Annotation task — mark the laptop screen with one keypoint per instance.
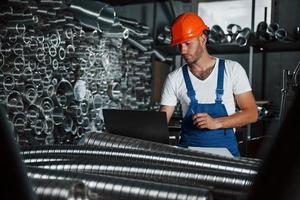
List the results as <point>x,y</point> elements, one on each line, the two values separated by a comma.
<point>145,125</point>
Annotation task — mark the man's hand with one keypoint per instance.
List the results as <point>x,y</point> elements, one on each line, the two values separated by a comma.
<point>247,114</point>
<point>203,120</point>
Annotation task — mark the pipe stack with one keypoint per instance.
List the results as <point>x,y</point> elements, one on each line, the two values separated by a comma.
<point>119,156</point>
<point>62,62</point>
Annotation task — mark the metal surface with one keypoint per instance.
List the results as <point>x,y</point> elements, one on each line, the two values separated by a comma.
<point>108,187</point>
<point>289,86</point>
<point>44,52</point>
<point>159,158</point>
<point>222,186</point>
<point>116,141</point>
<point>60,189</point>
<point>261,32</point>
<point>282,35</point>
<point>284,89</point>
<point>295,75</point>
<point>242,38</point>
<point>137,44</point>
<point>221,177</point>
<point>94,15</point>
<point>272,28</point>
<point>217,35</point>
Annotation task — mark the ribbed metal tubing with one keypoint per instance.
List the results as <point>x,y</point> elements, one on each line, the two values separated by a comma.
<point>112,140</point>
<point>141,156</point>
<point>223,186</point>
<point>141,170</point>
<point>60,189</point>
<point>108,187</point>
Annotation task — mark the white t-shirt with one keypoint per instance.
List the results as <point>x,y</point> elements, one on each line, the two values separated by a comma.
<point>235,82</point>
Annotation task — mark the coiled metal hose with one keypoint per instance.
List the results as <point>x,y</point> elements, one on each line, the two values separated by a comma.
<point>134,155</point>
<point>108,187</point>
<point>117,141</point>
<point>222,185</point>
<point>60,189</point>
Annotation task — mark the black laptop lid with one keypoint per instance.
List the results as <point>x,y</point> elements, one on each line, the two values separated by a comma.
<point>146,125</point>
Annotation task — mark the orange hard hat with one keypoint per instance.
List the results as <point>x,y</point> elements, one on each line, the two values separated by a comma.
<point>187,26</point>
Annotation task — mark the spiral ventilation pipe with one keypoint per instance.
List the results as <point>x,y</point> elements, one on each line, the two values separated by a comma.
<point>222,185</point>
<point>141,156</point>
<point>108,187</point>
<point>60,189</point>
<point>123,142</point>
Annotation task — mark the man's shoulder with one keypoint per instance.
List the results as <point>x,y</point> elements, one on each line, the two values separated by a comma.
<point>176,73</point>
<point>233,66</point>
<point>231,63</point>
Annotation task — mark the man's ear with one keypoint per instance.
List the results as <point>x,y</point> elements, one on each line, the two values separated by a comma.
<point>203,39</point>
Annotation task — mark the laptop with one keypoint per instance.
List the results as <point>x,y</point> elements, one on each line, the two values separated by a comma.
<point>145,125</point>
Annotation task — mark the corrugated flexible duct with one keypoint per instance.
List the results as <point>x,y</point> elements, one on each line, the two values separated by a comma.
<point>135,155</point>
<point>108,187</point>
<point>117,141</point>
<point>60,189</point>
<point>222,185</point>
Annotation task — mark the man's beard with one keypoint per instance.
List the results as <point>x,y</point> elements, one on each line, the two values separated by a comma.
<point>191,60</point>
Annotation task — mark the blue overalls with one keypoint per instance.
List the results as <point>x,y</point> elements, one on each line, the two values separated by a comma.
<point>194,136</point>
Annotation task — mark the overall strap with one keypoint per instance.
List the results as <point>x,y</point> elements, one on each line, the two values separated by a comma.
<point>190,90</point>
<point>220,90</point>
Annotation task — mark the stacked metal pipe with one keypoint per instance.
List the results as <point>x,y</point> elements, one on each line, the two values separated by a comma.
<point>230,186</point>
<point>221,185</point>
<point>164,37</point>
<point>237,35</point>
<point>62,62</point>
<point>110,187</point>
<point>127,157</point>
<point>272,32</point>
<point>203,162</point>
<point>60,189</point>
<point>109,140</point>
<point>216,35</point>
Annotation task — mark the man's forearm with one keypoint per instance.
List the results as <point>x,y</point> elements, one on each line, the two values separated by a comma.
<point>247,115</point>
<point>237,119</point>
<point>168,110</point>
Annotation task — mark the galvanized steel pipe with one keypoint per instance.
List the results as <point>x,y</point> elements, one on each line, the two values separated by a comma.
<point>94,14</point>
<point>108,187</point>
<point>117,141</point>
<point>203,162</point>
<point>222,185</point>
<point>60,189</point>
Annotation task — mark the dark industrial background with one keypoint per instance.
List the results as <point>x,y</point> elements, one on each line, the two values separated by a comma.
<point>269,60</point>
<point>60,70</point>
